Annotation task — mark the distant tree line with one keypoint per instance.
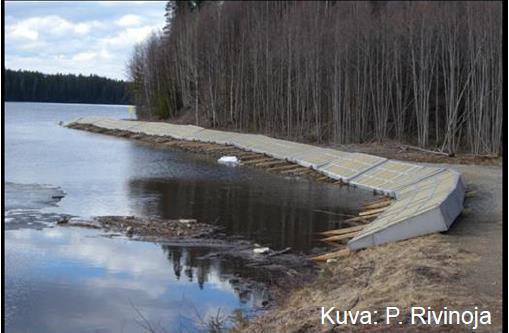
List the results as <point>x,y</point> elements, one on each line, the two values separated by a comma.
<point>28,86</point>
<point>425,73</point>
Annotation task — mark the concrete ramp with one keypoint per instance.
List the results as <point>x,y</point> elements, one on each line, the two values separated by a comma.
<point>428,199</point>
<point>350,166</point>
<point>213,136</point>
<point>427,206</point>
<point>392,176</point>
<point>316,157</point>
<point>179,132</point>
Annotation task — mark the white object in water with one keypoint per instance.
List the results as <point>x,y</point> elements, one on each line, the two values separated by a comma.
<point>261,250</point>
<point>229,160</point>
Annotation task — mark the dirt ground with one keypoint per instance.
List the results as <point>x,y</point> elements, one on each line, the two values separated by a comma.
<point>460,269</point>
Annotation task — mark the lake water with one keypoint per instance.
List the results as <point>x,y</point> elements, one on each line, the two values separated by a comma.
<point>61,279</point>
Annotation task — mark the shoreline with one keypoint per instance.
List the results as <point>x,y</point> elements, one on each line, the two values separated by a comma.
<point>460,269</point>
<point>423,269</point>
<point>276,271</point>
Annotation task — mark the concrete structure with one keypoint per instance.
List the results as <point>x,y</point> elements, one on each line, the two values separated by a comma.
<point>428,199</point>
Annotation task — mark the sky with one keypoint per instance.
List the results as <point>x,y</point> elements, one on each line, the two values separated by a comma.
<point>79,37</point>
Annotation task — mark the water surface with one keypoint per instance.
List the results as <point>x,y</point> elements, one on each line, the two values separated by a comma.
<point>67,279</point>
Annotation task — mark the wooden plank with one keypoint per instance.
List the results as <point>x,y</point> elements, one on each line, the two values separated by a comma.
<point>253,156</point>
<point>285,167</point>
<point>247,154</point>
<point>371,211</point>
<point>332,255</point>
<point>383,199</point>
<point>256,161</point>
<point>304,171</point>
<point>371,216</point>
<point>378,205</point>
<point>342,230</point>
<point>270,163</point>
<point>362,219</point>
<point>219,147</point>
<point>340,237</point>
<point>292,171</point>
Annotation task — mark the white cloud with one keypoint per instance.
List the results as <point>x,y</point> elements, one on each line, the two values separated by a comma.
<point>120,3</point>
<point>23,32</point>
<point>78,37</point>
<point>34,27</point>
<point>129,36</point>
<point>87,56</point>
<point>84,56</point>
<point>128,20</point>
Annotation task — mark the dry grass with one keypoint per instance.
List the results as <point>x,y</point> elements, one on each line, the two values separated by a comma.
<point>421,272</point>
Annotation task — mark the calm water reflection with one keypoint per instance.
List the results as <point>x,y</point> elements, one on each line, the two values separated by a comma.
<point>70,280</point>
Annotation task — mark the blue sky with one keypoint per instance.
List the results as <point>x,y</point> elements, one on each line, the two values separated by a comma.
<point>88,37</point>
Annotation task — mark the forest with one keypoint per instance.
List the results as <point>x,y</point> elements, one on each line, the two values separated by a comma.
<point>29,86</point>
<point>424,73</point>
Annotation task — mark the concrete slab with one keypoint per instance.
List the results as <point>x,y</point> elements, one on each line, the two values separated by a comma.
<point>428,206</point>
<point>350,166</point>
<point>179,132</point>
<point>392,176</point>
<point>316,157</point>
<point>213,136</point>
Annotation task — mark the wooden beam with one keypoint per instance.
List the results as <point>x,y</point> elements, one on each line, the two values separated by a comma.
<point>249,154</point>
<point>292,171</point>
<point>270,163</point>
<point>343,230</point>
<point>220,147</point>
<point>371,211</point>
<point>304,171</point>
<point>382,199</point>
<point>256,161</point>
<point>322,178</point>
<point>340,237</point>
<point>378,205</point>
<point>362,219</point>
<point>285,167</point>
